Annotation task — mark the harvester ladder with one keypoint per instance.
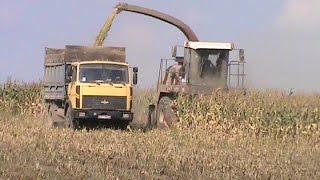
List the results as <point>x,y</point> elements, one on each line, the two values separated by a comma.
<point>236,74</point>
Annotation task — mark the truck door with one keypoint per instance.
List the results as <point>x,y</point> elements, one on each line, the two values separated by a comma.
<point>73,94</point>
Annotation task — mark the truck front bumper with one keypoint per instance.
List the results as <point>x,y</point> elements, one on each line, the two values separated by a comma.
<point>103,115</point>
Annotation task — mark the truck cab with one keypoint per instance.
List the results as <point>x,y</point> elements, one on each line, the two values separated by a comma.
<point>101,90</point>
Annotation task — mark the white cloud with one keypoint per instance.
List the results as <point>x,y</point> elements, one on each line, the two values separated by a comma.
<point>300,15</point>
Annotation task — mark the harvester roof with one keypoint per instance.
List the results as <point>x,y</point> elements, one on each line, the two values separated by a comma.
<point>209,45</point>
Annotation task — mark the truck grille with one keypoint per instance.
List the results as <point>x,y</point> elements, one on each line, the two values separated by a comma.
<point>105,102</point>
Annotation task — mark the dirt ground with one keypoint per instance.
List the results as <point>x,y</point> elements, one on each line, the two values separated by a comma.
<point>29,149</point>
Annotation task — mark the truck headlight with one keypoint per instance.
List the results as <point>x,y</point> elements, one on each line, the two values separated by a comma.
<point>126,116</point>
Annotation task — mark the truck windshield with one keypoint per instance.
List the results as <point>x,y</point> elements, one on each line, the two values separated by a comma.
<point>103,73</point>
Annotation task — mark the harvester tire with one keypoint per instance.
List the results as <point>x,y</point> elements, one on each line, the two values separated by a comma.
<point>165,114</point>
<point>72,122</point>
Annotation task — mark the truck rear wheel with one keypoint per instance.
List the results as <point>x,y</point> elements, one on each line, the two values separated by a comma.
<point>165,114</point>
<point>52,113</point>
<point>50,118</point>
<point>72,122</point>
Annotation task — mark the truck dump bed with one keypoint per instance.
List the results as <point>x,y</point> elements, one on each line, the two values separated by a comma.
<point>82,53</point>
<point>58,60</point>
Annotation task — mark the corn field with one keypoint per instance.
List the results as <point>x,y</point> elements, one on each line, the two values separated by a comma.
<point>21,98</point>
<point>228,135</point>
<point>255,113</point>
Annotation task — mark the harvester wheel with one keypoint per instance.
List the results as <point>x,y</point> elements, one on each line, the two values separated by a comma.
<point>165,114</point>
<point>72,122</point>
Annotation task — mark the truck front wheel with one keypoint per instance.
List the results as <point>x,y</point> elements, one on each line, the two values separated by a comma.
<point>123,125</point>
<point>72,122</point>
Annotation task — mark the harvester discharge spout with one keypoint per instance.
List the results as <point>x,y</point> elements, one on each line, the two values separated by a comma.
<point>185,29</point>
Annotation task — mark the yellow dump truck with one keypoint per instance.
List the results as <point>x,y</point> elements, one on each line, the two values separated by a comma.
<point>88,84</point>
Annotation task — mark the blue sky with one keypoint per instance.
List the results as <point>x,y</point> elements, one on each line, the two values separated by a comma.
<point>280,36</point>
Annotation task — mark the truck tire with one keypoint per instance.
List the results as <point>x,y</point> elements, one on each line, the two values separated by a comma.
<point>123,125</point>
<point>72,122</point>
<point>49,120</point>
<point>52,115</point>
<point>165,114</point>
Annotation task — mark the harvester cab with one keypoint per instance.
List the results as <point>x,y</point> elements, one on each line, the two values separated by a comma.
<point>203,67</point>
<point>207,63</point>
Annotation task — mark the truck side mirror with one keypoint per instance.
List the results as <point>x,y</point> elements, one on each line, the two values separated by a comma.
<point>174,51</point>
<point>135,69</point>
<point>135,78</point>
<point>135,75</point>
<point>241,54</point>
